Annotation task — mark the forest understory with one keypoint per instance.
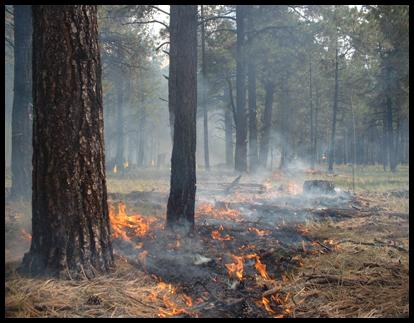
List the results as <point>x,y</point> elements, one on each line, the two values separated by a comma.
<point>262,248</point>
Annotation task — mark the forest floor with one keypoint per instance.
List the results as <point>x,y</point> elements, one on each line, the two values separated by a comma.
<point>350,259</point>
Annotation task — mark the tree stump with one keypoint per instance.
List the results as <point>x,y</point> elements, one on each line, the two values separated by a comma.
<point>319,187</point>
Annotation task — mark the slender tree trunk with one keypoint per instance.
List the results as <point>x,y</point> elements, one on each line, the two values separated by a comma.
<point>183,34</point>
<point>334,111</point>
<point>312,128</point>
<point>119,160</point>
<point>315,154</point>
<point>21,157</point>
<point>241,124</point>
<point>267,123</point>
<point>228,130</point>
<point>251,88</point>
<point>70,222</point>
<point>203,91</point>
<point>285,127</point>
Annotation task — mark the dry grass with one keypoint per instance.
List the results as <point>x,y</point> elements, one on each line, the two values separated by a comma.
<point>362,277</point>
<point>122,293</point>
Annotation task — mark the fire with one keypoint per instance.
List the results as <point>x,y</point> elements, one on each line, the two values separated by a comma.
<point>216,235</point>
<point>218,213</point>
<point>27,236</point>
<point>261,268</point>
<point>121,221</point>
<point>259,232</point>
<point>236,268</point>
<point>172,308</point>
<point>188,300</point>
<point>114,170</point>
<point>266,304</point>
<point>126,164</point>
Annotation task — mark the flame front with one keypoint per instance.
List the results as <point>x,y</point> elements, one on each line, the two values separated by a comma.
<point>122,223</point>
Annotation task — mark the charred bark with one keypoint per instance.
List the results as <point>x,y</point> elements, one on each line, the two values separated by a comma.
<point>183,35</point>
<point>70,222</point>
<point>21,158</point>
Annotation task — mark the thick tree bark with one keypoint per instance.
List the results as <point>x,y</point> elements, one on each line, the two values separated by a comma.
<point>251,88</point>
<point>183,35</point>
<point>70,225</point>
<point>267,123</point>
<point>334,111</point>
<point>241,124</point>
<point>203,90</point>
<point>21,158</point>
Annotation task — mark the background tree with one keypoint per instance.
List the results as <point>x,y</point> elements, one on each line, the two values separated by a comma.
<point>21,157</point>
<point>183,35</point>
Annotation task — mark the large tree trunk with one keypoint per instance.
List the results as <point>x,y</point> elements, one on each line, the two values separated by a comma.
<point>203,91</point>
<point>251,88</point>
<point>183,35</point>
<point>70,224</point>
<point>21,158</point>
<point>241,124</point>
<point>267,123</point>
<point>334,111</point>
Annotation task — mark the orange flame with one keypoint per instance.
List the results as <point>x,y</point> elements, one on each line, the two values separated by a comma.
<point>217,213</point>
<point>259,232</point>
<point>121,222</point>
<point>236,268</point>
<point>216,235</point>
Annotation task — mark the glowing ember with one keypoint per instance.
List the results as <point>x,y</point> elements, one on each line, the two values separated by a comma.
<point>27,236</point>
<point>259,232</point>
<point>122,223</point>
